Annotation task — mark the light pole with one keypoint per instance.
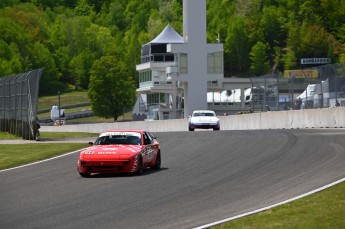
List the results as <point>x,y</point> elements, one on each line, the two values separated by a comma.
<point>59,108</point>
<point>321,97</point>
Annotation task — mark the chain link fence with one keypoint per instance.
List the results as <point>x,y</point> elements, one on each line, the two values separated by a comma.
<point>317,87</point>
<point>18,104</point>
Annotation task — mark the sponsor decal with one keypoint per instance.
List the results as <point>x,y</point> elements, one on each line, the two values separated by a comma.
<point>103,153</point>
<point>110,148</point>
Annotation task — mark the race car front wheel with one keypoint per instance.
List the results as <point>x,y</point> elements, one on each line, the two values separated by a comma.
<point>140,166</point>
<point>157,164</point>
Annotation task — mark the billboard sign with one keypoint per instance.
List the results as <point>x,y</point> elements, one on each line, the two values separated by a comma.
<point>316,61</point>
<point>307,73</point>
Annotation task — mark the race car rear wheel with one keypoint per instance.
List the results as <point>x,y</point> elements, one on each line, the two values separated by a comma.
<point>140,166</point>
<point>157,164</point>
<point>85,174</point>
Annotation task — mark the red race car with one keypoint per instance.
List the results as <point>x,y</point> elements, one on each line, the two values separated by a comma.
<point>120,151</point>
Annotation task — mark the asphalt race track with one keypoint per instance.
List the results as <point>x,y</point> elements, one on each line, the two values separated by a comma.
<point>206,176</point>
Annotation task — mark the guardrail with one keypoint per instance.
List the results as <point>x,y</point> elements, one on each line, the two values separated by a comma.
<point>68,116</point>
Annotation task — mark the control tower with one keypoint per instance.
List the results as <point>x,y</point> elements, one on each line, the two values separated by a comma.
<point>198,62</point>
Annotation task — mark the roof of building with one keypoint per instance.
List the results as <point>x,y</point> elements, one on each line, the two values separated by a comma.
<point>168,36</point>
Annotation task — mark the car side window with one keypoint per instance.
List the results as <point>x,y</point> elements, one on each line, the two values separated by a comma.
<point>147,139</point>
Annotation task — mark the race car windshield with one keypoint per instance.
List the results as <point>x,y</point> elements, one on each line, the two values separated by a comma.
<point>203,114</point>
<point>118,140</point>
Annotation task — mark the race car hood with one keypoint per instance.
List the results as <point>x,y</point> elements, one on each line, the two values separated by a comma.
<point>204,119</point>
<point>110,152</point>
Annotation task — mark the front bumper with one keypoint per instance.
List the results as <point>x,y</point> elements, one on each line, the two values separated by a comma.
<point>204,126</point>
<point>118,166</point>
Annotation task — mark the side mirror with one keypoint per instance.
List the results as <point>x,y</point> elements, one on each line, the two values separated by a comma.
<point>91,143</point>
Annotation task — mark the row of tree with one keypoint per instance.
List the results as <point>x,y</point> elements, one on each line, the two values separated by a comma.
<point>67,37</point>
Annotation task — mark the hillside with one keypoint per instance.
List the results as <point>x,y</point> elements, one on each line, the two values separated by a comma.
<point>66,37</point>
<point>77,108</point>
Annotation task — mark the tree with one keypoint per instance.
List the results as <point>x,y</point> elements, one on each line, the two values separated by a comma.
<point>259,64</point>
<point>10,60</point>
<point>271,24</point>
<point>111,88</point>
<point>236,46</point>
<point>80,67</point>
<point>5,3</point>
<point>41,57</point>
<point>290,60</point>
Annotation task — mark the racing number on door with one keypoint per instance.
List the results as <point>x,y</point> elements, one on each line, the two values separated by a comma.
<point>149,149</point>
<point>149,153</point>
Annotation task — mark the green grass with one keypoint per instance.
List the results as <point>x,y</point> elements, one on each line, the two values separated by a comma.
<point>13,155</point>
<point>67,135</point>
<point>325,209</point>
<point>20,154</point>
<point>7,136</point>
<point>68,98</point>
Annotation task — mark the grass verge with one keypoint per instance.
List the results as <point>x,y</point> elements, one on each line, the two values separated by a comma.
<point>69,98</point>
<point>67,135</point>
<point>325,209</point>
<point>15,155</point>
<point>8,136</point>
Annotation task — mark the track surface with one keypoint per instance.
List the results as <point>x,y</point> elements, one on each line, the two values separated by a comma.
<point>206,176</point>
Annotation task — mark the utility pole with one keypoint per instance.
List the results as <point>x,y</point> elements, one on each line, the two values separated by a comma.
<point>59,108</point>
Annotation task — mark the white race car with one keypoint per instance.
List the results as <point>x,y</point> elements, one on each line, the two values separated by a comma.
<point>203,119</point>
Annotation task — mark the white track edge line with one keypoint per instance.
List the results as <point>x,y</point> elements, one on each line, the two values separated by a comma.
<point>38,162</point>
<point>270,206</point>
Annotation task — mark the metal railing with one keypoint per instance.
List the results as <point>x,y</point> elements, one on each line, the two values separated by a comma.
<point>18,103</point>
<point>274,92</point>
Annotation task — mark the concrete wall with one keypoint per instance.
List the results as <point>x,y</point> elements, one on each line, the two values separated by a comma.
<point>292,119</point>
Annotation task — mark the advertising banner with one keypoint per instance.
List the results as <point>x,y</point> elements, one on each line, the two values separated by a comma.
<point>307,73</point>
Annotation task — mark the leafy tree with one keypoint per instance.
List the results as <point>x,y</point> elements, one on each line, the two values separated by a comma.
<point>111,89</point>
<point>333,12</point>
<point>80,67</point>
<point>99,40</point>
<point>10,60</point>
<point>236,46</point>
<point>41,57</point>
<point>259,64</point>
<point>53,4</point>
<point>272,27</point>
<point>5,3</point>
<point>290,60</point>
<point>218,14</point>
<point>83,8</point>
<point>155,25</point>
<point>277,59</point>
<point>74,33</point>
<point>98,4</point>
